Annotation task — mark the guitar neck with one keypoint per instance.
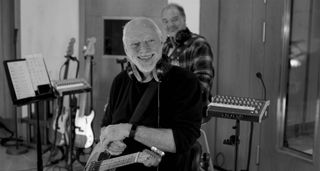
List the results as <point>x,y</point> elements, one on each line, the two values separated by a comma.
<point>84,108</point>
<point>119,161</point>
<point>66,71</point>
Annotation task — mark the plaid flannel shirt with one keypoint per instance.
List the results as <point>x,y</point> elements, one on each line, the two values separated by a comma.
<point>193,53</point>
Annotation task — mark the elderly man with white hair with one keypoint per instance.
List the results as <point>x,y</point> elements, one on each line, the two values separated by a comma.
<point>169,121</point>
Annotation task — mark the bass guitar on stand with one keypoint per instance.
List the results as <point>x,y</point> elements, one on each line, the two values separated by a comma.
<point>84,136</point>
<point>58,134</point>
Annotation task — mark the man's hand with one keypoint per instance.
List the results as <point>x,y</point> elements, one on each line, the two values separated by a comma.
<point>116,147</point>
<point>113,133</point>
<point>151,161</point>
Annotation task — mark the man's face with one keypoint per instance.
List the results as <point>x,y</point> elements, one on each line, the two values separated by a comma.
<point>173,21</point>
<point>143,46</point>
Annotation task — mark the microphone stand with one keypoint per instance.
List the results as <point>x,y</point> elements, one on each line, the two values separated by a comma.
<point>16,149</point>
<point>259,76</point>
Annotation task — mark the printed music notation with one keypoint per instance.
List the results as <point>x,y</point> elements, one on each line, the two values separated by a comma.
<point>21,79</point>
<point>27,75</point>
<point>37,70</point>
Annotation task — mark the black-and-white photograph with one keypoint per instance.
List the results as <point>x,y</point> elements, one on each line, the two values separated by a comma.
<point>160,85</point>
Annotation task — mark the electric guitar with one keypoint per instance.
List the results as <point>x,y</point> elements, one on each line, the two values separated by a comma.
<point>100,160</point>
<point>83,130</point>
<point>58,134</point>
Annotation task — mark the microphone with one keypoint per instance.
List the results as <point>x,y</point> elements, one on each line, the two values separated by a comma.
<point>259,75</point>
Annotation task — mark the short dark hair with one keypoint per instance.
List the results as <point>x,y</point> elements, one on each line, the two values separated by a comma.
<point>178,7</point>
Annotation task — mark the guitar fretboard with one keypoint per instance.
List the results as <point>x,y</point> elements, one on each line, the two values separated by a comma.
<point>115,162</point>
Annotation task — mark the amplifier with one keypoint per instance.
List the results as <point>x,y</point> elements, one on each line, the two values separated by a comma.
<point>241,108</point>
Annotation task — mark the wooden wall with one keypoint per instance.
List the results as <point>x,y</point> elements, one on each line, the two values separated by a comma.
<point>242,53</point>
<point>240,57</point>
<point>6,53</point>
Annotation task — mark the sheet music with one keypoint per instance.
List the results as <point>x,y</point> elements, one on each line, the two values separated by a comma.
<point>21,79</point>
<point>37,70</point>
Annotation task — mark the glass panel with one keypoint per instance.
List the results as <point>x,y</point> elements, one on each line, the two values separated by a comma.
<point>113,36</point>
<point>302,87</point>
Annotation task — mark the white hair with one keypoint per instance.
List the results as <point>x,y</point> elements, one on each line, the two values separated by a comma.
<point>152,25</point>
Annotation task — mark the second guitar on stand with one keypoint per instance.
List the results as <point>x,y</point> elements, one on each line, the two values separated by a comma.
<point>84,136</point>
<point>58,132</point>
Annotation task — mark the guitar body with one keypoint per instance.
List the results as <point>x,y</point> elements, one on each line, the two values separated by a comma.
<point>61,132</point>
<point>84,137</point>
<point>97,155</point>
<point>58,133</point>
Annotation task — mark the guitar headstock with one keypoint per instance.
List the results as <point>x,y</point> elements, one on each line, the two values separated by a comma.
<point>89,48</point>
<point>147,155</point>
<point>70,47</point>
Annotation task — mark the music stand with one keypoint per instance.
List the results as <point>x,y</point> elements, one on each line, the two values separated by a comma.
<point>29,83</point>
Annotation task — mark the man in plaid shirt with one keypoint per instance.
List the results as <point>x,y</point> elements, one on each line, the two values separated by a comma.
<point>188,50</point>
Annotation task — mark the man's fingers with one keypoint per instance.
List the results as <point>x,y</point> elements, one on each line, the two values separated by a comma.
<point>105,143</point>
<point>114,147</point>
<point>119,144</point>
<point>150,161</point>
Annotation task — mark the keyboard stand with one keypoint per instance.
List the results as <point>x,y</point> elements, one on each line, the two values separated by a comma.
<point>234,140</point>
<point>237,142</point>
<point>204,139</point>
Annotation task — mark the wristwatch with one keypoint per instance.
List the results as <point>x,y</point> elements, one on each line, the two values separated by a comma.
<point>133,131</point>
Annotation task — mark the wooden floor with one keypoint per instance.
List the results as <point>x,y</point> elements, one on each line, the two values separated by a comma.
<point>28,161</point>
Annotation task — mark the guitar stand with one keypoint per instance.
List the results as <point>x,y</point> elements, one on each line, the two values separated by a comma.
<point>68,149</point>
<point>54,151</point>
<point>71,156</point>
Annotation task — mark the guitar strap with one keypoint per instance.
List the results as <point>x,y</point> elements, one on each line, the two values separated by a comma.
<point>144,102</point>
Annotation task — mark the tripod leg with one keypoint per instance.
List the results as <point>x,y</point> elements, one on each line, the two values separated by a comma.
<point>16,149</point>
<point>237,134</point>
<point>6,128</point>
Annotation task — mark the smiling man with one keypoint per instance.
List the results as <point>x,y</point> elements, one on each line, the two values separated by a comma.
<point>172,118</point>
<point>188,50</point>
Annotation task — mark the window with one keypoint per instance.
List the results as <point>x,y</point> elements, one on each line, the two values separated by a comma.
<point>113,36</point>
<point>301,78</point>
